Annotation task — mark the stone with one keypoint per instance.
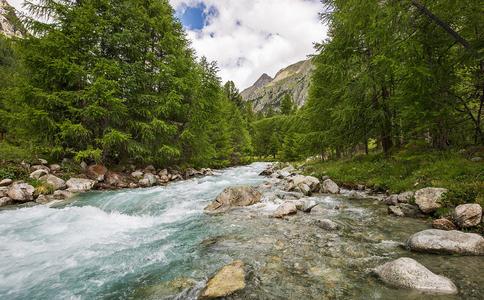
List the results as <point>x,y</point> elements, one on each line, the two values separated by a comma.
<point>396,210</point>
<point>476,159</point>
<point>79,185</point>
<point>96,172</point>
<point>446,242</point>
<point>38,173</point>
<point>304,189</point>
<point>468,215</point>
<point>43,199</point>
<point>163,173</point>
<point>405,197</point>
<point>443,224</point>
<point>55,168</point>
<point>408,273</point>
<point>356,195</point>
<point>56,182</point>
<point>150,169</point>
<point>4,201</point>
<point>83,165</point>
<point>234,197</point>
<point>62,195</point>
<point>20,191</point>
<point>43,161</point>
<point>327,224</point>
<point>305,205</point>
<point>329,186</point>
<point>6,182</point>
<point>428,199</point>
<point>3,191</point>
<point>148,180</point>
<point>137,174</point>
<point>391,200</point>
<point>303,183</point>
<point>164,179</point>
<point>133,185</point>
<point>114,179</point>
<point>285,209</point>
<point>227,281</point>
<point>40,167</point>
<point>410,210</point>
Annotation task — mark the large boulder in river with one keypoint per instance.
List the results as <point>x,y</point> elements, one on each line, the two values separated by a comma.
<point>447,242</point>
<point>428,199</point>
<point>408,273</point>
<point>468,215</point>
<point>234,197</point>
<point>227,281</point>
<point>148,180</point>
<point>21,191</point>
<point>96,172</point>
<point>285,209</point>
<point>79,185</point>
<point>329,186</point>
<point>56,182</point>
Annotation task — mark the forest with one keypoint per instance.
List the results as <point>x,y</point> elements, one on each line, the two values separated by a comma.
<point>117,82</point>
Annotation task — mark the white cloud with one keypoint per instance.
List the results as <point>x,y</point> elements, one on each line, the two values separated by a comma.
<point>271,34</point>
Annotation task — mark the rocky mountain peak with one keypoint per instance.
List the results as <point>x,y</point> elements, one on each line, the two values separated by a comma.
<point>267,92</point>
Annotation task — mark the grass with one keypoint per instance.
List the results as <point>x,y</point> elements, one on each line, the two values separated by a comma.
<point>407,170</point>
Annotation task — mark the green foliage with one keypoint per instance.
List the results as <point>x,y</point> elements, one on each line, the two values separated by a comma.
<point>116,81</point>
<point>287,105</point>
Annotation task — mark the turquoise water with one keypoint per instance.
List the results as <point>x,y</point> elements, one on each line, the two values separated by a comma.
<point>157,244</point>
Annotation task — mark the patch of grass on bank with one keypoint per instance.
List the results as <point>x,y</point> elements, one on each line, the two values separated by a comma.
<point>409,169</point>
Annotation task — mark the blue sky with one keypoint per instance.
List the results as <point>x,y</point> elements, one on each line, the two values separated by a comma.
<point>193,18</point>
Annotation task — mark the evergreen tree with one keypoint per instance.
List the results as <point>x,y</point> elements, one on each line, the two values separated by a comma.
<point>287,105</point>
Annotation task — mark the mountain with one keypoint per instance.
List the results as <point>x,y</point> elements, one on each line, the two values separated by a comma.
<point>10,24</point>
<point>268,92</point>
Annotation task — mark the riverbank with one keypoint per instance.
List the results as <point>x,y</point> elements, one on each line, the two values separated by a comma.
<point>409,170</point>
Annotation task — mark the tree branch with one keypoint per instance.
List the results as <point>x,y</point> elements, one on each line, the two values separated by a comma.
<point>456,36</point>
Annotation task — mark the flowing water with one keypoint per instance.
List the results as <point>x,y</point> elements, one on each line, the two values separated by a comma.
<point>157,244</point>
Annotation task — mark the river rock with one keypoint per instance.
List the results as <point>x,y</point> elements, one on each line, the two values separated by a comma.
<point>163,173</point>
<point>234,197</point>
<point>6,182</point>
<point>3,191</point>
<point>395,210</point>
<point>62,195</point>
<point>114,179</point>
<point>391,200</point>
<point>96,172</point>
<point>43,161</point>
<point>55,168</point>
<point>4,201</point>
<point>428,199</point>
<point>56,182</point>
<point>476,159</point>
<point>405,197</point>
<point>227,281</point>
<point>305,205</point>
<point>468,215</point>
<point>20,191</point>
<point>148,180</point>
<point>408,273</point>
<point>327,224</point>
<point>329,186</point>
<point>285,209</point>
<point>443,224</point>
<point>447,242</point>
<point>137,174</point>
<point>43,199</point>
<point>150,169</point>
<point>40,167</point>
<point>79,185</point>
<point>38,173</point>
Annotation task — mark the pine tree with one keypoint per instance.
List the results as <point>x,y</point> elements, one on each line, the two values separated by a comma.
<point>287,105</point>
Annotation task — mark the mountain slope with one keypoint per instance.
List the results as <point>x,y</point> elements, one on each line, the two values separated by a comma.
<point>10,24</point>
<point>268,92</point>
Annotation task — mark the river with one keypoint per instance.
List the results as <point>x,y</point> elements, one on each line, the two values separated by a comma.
<point>157,243</point>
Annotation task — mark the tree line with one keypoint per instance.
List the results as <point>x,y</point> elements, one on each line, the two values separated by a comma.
<point>391,74</point>
<point>115,82</point>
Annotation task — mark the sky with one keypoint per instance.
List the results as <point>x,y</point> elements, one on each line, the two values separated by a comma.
<point>249,37</point>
